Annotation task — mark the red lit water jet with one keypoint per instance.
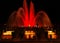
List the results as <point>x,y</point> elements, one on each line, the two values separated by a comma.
<point>26,21</point>
<point>20,18</point>
<point>32,20</point>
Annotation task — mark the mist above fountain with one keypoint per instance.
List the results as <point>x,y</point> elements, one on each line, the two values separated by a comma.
<point>24,17</point>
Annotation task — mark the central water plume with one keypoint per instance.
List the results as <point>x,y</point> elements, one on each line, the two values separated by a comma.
<point>20,17</point>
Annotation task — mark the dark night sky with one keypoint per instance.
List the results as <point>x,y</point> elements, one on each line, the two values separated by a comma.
<point>49,6</point>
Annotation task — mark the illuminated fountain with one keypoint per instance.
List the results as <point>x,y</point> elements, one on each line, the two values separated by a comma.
<point>24,17</point>
<point>27,18</point>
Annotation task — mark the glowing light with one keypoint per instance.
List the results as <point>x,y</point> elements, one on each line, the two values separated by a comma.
<point>29,25</point>
<point>7,35</point>
<point>29,34</point>
<point>32,34</point>
<point>52,34</point>
<point>49,32</point>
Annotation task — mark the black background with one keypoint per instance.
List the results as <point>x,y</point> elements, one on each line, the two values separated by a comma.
<point>51,7</point>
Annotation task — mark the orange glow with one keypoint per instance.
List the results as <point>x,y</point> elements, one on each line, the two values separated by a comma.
<point>7,35</point>
<point>29,34</point>
<point>52,34</point>
<point>32,34</point>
